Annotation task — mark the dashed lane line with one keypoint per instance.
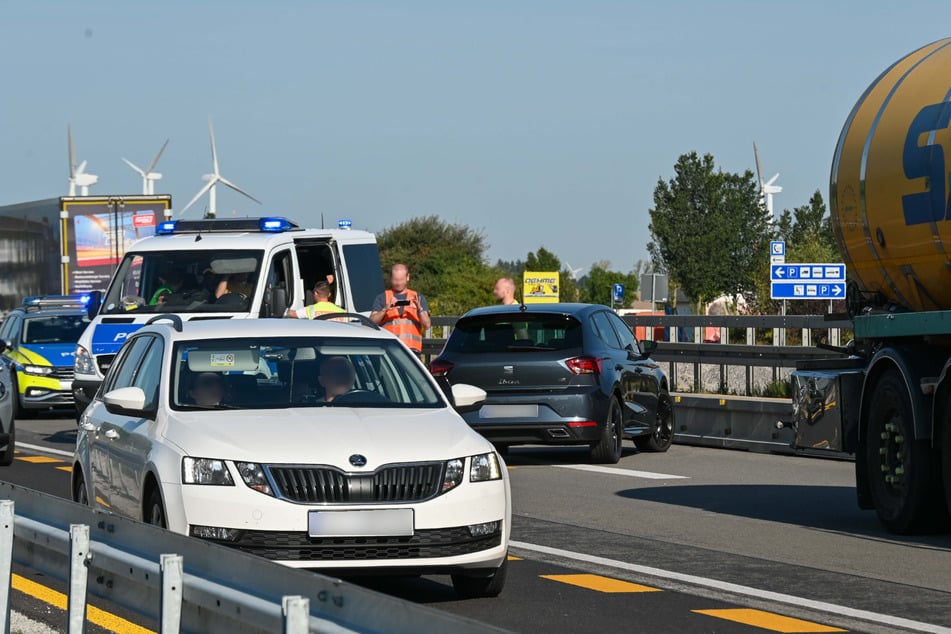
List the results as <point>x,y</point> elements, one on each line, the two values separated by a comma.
<point>631,473</point>
<point>38,459</point>
<point>600,584</point>
<point>723,586</point>
<point>768,621</point>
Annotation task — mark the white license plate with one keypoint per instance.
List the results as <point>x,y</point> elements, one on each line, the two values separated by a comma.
<point>369,523</point>
<point>509,411</point>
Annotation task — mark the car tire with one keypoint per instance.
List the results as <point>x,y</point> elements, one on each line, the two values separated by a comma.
<point>470,587</point>
<point>80,494</point>
<point>18,410</point>
<point>155,510</point>
<point>663,436</point>
<point>6,458</point>
<point>608,448</point>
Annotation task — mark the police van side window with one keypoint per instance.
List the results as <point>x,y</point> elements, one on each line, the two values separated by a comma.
<point>278,277</point>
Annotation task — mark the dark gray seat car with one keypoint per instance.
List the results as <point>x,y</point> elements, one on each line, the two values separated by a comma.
<point>559,374</point>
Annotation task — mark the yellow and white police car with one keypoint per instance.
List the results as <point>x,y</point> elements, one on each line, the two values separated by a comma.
<point>40,347</point>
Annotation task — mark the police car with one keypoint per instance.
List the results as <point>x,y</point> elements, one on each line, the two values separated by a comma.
<point>40,344</point>
<point>224,268</point>
<point>316,444</point>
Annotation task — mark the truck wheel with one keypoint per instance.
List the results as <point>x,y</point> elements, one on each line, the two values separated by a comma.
<point>900,468</point>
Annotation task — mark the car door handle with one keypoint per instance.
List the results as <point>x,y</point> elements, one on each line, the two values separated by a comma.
<point>111,434</point>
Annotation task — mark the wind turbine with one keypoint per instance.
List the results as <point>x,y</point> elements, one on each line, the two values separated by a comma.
<point>212,181</point>
<point>574,271</point>
<point>77,173</point>
<point>766,188</point>
<point>148,176</point>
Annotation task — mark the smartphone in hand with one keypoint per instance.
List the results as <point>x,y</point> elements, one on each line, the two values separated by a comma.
<point>402,302</point>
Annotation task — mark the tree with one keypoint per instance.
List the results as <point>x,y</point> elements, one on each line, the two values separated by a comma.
<point>599,285</point>
<point>709,229</point>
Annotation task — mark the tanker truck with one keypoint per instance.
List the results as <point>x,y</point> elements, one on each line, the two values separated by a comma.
<point>887,397</point>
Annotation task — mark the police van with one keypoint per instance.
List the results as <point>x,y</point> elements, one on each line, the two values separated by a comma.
<point>223,269</point>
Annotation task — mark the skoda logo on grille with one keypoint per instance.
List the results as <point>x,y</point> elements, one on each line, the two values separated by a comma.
<point>358,461</point>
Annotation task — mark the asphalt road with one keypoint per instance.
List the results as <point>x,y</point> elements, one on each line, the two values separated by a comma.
<point>693,540</point>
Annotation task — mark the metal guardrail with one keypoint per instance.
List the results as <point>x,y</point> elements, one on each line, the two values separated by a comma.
<point>186,584</point>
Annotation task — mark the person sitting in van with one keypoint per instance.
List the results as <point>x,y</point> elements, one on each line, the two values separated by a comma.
<point>237,283</point>
<point>170,282</point>
<point>322,307</point>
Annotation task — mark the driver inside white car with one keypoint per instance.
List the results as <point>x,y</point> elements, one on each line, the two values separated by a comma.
<point>336,377</point>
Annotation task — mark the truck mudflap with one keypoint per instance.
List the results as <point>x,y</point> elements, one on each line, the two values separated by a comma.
<point>825,398</point>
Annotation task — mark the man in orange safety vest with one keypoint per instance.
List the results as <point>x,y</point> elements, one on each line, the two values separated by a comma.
<point>402,311</point>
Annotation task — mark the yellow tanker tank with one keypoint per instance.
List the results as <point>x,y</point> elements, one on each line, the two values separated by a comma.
<point>889,195</point>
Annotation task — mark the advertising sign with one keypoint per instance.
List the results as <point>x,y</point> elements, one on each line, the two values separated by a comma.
<point>99,231</point>
<point>540,287</point>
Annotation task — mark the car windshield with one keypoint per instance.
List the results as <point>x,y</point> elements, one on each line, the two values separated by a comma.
<point>184,282</point>
<point>299,372</point>
<point>524,332</point>
<point>54,329</point>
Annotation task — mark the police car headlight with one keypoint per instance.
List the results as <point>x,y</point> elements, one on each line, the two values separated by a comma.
<point>37,370</point>
<point>205,471</point>
<point>485,467</point>
<point>83,363</point>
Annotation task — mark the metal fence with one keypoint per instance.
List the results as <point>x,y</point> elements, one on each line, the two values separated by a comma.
<point>749,358</point>
<point>186,584</point>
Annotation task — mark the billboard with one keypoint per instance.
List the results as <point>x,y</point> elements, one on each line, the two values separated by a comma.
<point>540,287</point>
<point>99,231</point>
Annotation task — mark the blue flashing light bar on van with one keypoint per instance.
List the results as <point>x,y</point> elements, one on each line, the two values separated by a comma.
<point>39,302</point>
<point>215,225</point>
<point>345,223</point>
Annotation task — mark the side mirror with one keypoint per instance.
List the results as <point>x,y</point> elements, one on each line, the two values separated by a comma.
<point>4,346</point>
<point>467,397</point>
<point>647,347</point>
<point>127,401</point>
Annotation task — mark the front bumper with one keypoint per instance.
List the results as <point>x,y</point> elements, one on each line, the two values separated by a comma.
<point>37,392</point>
<point>84,391</point>
<point>277,529</point>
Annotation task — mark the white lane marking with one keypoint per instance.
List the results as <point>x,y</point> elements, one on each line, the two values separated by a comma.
<point>724,586</point>
<point>622,472</point>
<point>42,449</point>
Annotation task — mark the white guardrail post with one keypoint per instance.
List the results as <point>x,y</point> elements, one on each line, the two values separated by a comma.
<point>6,561</point>
<point>78,575</point>
<point>172,567</point>
<point>296,611</point>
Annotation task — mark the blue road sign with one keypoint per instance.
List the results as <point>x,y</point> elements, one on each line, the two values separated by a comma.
<point>807,272</point>
<point>777,248</point>
<point>619,291</point>
<point>808,289</point>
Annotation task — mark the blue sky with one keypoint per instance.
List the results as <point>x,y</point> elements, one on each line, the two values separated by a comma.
<point>538,123</point>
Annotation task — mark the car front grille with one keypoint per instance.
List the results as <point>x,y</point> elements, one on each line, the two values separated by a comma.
<point>397,483</point>
<point>424,544</point>
<point>62,373</point>
<point>104,361</point>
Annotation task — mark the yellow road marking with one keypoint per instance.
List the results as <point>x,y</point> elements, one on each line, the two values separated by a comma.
<point>66,468</point>
<point>599,583</point>
<point>94,615</point>
<point>39,459</point>
<point>514,558</point>
<point>768,620</point>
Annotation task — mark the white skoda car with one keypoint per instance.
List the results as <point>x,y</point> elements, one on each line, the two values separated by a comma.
<point>317,444</point>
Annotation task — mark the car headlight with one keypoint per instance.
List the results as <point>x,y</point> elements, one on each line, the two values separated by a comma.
<point>452,476</point>
<point>37,370</point>
<point>205,471</point>
<point>485,467</point>
<point>83,362</point>
<point>253,476</point>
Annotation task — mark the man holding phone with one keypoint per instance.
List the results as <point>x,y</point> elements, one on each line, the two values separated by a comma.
<point>402,311</point>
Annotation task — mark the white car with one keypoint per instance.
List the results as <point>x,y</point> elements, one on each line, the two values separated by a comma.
<point>282,461</point>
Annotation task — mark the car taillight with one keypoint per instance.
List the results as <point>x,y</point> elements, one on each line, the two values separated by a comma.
<point>439,367</point>
<point>584,365</point>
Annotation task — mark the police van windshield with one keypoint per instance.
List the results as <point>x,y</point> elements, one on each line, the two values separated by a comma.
<point>184,282</point>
